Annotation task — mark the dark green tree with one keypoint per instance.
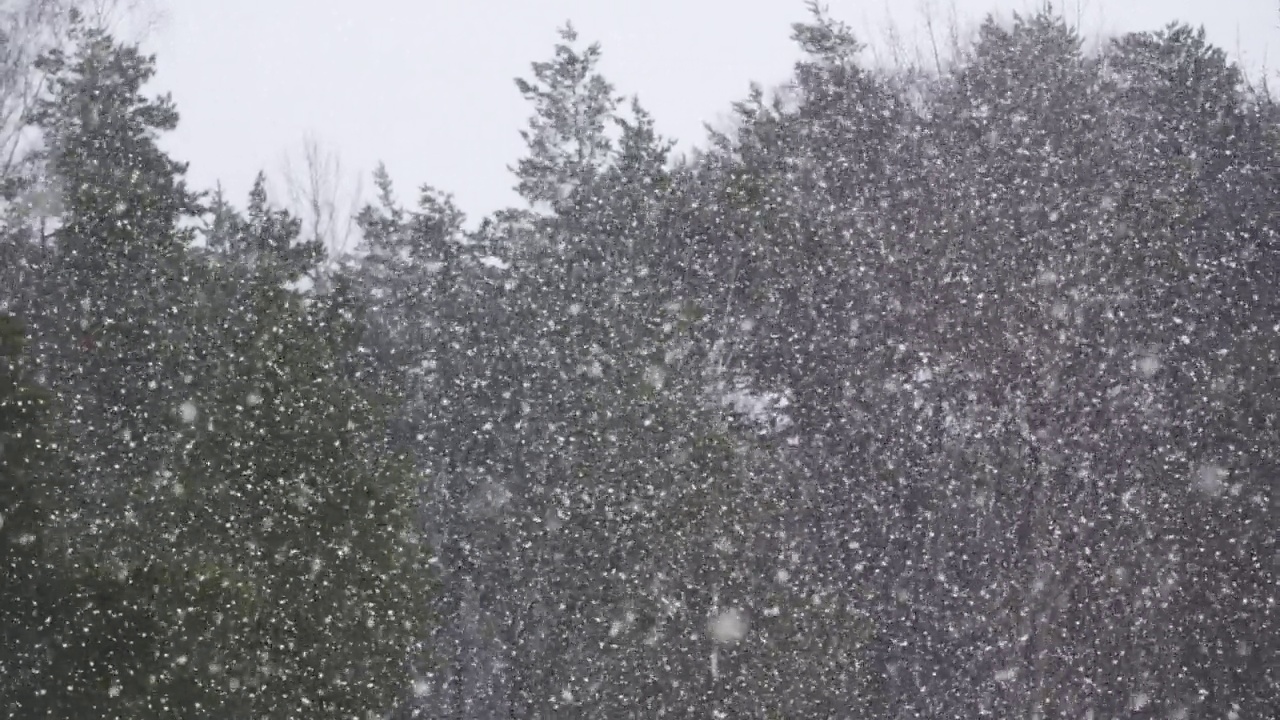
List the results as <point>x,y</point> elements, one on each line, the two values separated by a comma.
<point>567,135</point>
<point>285,503</point>
<point>250,544</point>
<point>24,505</point>
<point>79,640</point>
<point>117,283</point>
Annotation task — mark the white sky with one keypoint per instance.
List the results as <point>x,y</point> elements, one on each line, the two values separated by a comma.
<point>426,85</point>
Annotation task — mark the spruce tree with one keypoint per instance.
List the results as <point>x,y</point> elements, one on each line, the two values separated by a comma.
<point>79,639</point>
<point>287,493</point>
<point>24,504</point>
<point>117,283</point>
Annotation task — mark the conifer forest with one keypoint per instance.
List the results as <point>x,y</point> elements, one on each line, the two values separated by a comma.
<point>944,392</point>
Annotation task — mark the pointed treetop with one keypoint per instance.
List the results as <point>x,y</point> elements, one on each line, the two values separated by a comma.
<point>566,138</point>
<point>568,33</point>
<point>826,38</point>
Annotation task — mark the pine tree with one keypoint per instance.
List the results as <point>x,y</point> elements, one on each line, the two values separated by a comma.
<point>119,273</point>
<point>24,503</point>
<point>79,640</point>
<point>287,502</point>
<point>255,543</point>
<point>573,107</point>
<point>637,515</point>
<point>436,328</point>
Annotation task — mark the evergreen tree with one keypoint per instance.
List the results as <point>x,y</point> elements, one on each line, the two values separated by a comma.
<point>115,332</point>
<point>286,496</point>
<point>254,542</point>
<point>438,331</point>
<point>76,636</point>
<point>567,141</point>
<point>986,356</point>
<point>24,503</point>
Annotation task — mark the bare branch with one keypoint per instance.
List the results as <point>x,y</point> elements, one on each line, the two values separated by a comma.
<point>325,196</point>
<point>129,20</point>
<point>926,8</point>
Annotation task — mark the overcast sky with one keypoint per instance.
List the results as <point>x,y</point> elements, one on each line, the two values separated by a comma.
<point>426,85</point>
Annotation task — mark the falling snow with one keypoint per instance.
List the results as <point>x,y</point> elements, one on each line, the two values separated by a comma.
<point>909,392</point>
<point>727,626</point>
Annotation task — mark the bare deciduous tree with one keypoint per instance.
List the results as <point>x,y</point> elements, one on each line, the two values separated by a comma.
<point>27,29</point>
<point>325,195</point>
<point>130,20</point>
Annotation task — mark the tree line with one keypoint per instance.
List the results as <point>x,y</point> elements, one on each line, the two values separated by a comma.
<point>911,394</point>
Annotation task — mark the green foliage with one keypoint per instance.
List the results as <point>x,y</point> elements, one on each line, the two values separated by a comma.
<point>573,105</point>
<point>288,494</point>
<point>121,194</point>
<point>21,404</point>
<point>252,547</point>
<point>24,501</point>
<point>1022,312</point>
<point>71,632</point>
